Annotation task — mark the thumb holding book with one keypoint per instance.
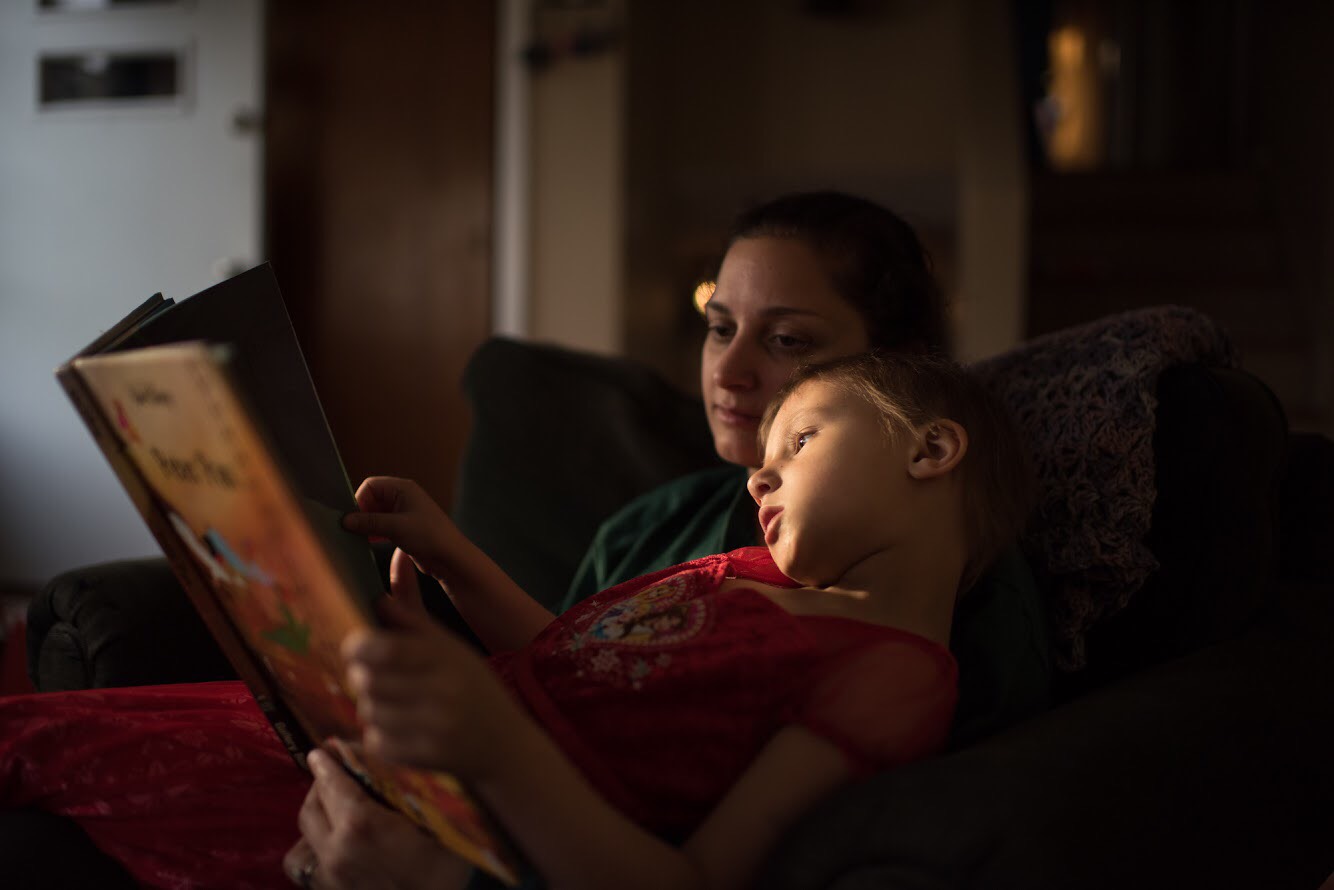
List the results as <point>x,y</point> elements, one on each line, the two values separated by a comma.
<point>403,607</point>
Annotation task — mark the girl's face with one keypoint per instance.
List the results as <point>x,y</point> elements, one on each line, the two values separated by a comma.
<point>835,487</point>
<point>774,306</point>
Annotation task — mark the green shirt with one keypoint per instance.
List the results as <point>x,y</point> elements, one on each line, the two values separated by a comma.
<point>1000,626</point>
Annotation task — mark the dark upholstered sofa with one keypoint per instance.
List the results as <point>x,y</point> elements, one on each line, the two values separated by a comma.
<point>1194,750</point>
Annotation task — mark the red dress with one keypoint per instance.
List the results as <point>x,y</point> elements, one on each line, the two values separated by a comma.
<point>660,690</point>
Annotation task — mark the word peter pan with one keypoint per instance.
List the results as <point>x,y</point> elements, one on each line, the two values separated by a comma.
<point>197,470</point>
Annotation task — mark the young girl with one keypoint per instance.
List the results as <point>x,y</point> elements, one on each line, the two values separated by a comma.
<point>667,731</point>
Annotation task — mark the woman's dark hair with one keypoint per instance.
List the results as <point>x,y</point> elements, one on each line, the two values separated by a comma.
<point>874,259</point>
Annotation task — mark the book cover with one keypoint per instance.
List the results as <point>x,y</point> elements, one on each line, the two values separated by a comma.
<point>247,311</point>
<point>275,577</point>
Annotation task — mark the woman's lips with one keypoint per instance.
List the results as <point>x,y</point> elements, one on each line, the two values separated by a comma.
<point>732,417</point>
<point>769,523</point>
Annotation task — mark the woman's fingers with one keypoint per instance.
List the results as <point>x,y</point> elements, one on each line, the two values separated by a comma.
<point>313,820</point>
<point>339,795</point>
<point>297,858</point>
<point>356,849</point>
<point>365,846</point>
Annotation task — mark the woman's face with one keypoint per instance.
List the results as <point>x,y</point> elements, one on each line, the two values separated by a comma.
<point>773,308</point>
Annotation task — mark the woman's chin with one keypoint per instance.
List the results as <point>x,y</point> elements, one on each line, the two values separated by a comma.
<point>732,449</point>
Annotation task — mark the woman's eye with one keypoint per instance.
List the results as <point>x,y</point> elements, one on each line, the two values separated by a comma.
<point>720,331</point>
<point>790,342</point>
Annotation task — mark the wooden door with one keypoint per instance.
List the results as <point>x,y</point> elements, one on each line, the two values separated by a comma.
<point>378,216</point>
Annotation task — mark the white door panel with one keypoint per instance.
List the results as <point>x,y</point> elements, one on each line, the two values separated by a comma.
<point>101,205</point>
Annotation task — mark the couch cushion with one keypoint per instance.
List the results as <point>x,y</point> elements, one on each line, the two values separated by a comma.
<point>1084,400</point>
<point>1211,770</point>
<point>1307,509</point>
<point>560,440</point>
<point>1220,445</point>
<point>125,623</point>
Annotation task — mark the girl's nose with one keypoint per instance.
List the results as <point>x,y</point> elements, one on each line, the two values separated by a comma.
<point>761,482</point>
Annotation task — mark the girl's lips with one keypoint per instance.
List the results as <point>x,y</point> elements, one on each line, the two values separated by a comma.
<point>734,417</point>
<point>769,523</point>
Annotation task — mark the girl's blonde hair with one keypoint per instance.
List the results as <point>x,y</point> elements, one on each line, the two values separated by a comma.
<point>909,392</point>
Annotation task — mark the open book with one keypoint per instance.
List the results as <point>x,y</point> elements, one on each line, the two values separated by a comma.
<point>207,413</point>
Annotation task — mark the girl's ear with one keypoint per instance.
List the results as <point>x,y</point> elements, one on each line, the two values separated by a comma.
<point>941,444</point>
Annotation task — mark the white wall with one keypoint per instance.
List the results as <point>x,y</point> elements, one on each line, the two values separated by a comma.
<point>560,198</point>
<point>578,203</point>
<point>98,210</point>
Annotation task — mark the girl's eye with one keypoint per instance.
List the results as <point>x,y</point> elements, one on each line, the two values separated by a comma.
<point>720,331</point>
<point>802,439</point>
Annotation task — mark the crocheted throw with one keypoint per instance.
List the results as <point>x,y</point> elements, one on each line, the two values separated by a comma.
<point>1085,399</point>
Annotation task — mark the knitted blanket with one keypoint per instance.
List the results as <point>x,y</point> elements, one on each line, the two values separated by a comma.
<point>1085,398</point>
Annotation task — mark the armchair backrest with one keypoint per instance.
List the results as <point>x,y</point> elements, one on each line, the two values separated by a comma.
<point>560,440</point>
<point>1220,449</point>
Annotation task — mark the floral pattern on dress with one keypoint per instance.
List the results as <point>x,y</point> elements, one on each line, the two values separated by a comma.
<point>659,617</point>
<point>663,615</point>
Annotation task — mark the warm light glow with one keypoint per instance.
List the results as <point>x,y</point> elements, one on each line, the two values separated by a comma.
<point>1067,47</point>
<point>703,292</point>
<point>1071,117</point>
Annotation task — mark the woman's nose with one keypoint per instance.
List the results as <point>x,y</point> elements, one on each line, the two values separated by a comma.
<point>736,368</point>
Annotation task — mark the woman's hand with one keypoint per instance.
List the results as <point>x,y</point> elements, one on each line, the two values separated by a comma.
<point>427,699</point>
<point>349,841</point>
<point>399,511</point>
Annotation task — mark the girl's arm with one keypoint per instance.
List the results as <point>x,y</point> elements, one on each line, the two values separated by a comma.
<point>576,839</point>
<point>502,615</point>
<point>428,700</point>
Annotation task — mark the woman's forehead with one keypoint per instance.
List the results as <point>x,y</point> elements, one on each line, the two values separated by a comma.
<point>777,275</point>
